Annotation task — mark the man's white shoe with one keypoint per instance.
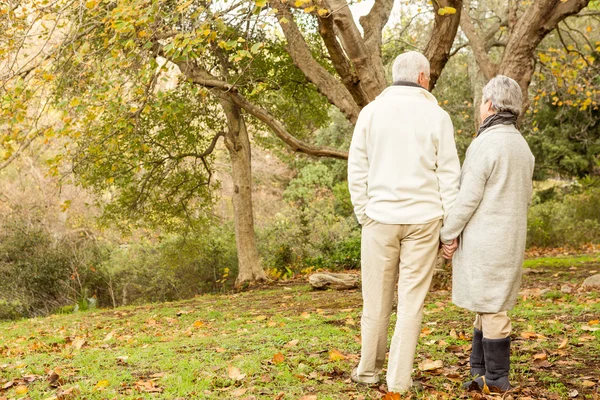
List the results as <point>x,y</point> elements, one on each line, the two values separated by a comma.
<point>371,380</point>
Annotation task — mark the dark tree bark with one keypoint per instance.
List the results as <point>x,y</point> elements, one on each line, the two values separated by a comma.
<point>442,38</point>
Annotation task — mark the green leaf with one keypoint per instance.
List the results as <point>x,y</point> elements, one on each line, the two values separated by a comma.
<point>256,47</point>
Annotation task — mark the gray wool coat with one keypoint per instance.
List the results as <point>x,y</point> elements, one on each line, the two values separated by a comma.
<point>490,219</point>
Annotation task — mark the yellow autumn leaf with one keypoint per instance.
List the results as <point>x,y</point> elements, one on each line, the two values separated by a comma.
<point>198,324</point>
<point>102,384</point>
<point>21,389</point>
<point>335,355</point>
<point>447,10</point>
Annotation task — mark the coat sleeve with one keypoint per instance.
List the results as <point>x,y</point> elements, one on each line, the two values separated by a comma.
<point>447,165</point>
<point>358,168</point>
<point>471,192</point>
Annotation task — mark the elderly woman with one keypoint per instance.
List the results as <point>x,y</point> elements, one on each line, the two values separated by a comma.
<point>487,228</point>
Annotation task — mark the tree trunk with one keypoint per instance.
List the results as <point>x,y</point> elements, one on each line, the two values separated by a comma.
<point>442,38</point>
<point>238,144</point>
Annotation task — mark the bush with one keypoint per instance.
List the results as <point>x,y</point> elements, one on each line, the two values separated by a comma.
<point>41,273</point>
<point>573,220</point>
<point>317,230</point>
<point>176,267</point>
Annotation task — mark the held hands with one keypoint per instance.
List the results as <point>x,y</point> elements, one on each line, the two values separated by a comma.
<point>449,249</point>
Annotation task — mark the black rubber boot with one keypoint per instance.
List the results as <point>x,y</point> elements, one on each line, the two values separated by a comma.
<point>477,360</point>
<point>497,364</point>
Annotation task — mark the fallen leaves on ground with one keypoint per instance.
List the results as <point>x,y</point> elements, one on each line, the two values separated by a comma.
<point>336,355</point>
<point>278,358</point>
<point>235,374</point>
<point>431,365</point>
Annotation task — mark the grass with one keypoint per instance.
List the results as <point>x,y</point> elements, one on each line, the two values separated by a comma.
<point>286,342</point>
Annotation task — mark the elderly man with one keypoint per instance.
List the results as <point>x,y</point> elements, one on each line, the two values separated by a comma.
<point>403,176</point>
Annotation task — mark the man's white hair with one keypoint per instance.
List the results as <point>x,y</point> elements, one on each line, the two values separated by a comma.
<point>504,93</point>
<point>407,67</point>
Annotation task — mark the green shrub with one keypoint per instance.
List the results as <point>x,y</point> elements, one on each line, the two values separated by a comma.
<point>572,220</point>
<point>176,267</point>
<point>11,310</point>
<point>317,230</point>
<point>41,272</point>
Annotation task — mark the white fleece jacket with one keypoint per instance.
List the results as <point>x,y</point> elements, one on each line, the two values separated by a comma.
<point>403,166</point>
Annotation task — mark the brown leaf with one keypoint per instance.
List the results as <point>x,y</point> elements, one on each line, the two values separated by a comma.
<point>278,358</point>
<point>78,343</point>
<point>540,356</point>
<point>239,392</point>
<point>234,373</point>
<point>220,350</point>
<point>529,335</point>
<point>305,315</point>
<point>147,386</point>
<point>542,363</point>
<point>564,343</point>
<point>308,397</point>
<point>425,331</point>
<point>391,396</point>
<point>291,343</point>
<point>8,385</point>
<point>430,365</point>
<point>68,394</point>
<point>587,383</point>
<point>589,328</point>
<point>455,349</point>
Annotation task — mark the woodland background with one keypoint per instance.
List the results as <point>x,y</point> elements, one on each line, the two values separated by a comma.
<point>154,150</point>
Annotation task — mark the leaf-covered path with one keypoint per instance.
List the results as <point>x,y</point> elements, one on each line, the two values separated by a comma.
<point>288,342</point>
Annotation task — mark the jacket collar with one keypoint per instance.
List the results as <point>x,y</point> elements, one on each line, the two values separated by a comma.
<point>397,90</point>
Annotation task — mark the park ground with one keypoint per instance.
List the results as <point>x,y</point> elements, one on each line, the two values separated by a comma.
<point>286,341</point>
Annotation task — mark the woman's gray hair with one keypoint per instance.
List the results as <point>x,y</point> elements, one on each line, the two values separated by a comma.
<point>504,93</point>
<point>407,67</point>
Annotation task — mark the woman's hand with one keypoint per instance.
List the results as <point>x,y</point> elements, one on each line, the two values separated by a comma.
<point>449,249</point>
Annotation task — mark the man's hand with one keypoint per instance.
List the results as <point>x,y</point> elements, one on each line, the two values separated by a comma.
<point>449,249</point>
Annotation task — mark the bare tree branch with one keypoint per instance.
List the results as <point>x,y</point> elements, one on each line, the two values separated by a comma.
<point>340,61</point>
<point>371,74</point>
<point>279,130</point>
<point>478,45</point>
<point>373,24</point>
<point>203,78</point>
<point>326,83</point>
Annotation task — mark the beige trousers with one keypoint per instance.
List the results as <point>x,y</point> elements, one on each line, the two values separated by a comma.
<point>394,253</point>
<point>493,326</point>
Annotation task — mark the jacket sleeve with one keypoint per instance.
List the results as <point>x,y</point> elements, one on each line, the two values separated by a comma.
<point>471,192</point>
<point>358,168</point>
<point>447,165</point>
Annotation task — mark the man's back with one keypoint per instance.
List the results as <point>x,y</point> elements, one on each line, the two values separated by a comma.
<point>403,147</point>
